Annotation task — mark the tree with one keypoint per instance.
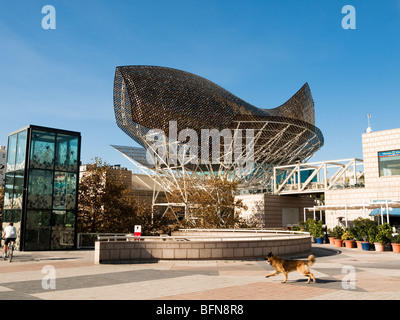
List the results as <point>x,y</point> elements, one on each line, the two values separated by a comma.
<point>213,205</point>
<point>107,205</point>
<point>91,197</point>
<point>105,202</point>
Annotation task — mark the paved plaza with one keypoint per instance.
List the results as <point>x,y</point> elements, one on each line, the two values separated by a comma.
<point>71,275</point>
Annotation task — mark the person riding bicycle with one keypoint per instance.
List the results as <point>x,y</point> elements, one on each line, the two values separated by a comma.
<point>9,235</point>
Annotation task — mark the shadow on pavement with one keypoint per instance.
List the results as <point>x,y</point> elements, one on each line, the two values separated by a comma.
<point>316,251</point>
<point>324,252</point>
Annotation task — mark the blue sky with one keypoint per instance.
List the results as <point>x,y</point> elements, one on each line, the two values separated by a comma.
<point>261,51</point>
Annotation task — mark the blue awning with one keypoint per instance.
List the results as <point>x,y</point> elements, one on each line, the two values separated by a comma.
<point>394,212</point>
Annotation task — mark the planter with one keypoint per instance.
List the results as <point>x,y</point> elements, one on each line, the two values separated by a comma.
<point>379,247</point>
<point>331,240</point>
<point>359,246</point>
<point>338,242</point>
<point>396,247</point>
<point>320,240</point>
<point>349,243</point>
<point>365,245</point>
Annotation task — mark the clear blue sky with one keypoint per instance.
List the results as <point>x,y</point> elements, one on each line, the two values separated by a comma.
<point>262,51</point>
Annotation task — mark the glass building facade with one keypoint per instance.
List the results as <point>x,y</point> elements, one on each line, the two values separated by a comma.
<point>41,187</point>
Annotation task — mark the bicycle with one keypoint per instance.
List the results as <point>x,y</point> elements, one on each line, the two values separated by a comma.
<point>10,251</point>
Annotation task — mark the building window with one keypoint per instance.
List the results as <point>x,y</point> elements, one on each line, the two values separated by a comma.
<point>389,163</point>
<point>42,150</point>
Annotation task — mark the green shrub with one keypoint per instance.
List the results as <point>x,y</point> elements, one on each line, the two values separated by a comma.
<point>337,232</point>
<point>347,235</point>
<point>384,234</point>
<point>295,228</point>
<point>364,229</point>
<point>396,239</point>
<point>315,228</point>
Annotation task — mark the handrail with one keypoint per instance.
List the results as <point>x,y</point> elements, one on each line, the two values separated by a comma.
<point>201,237</point>
<point>93,234</point>
<point>247,230</point>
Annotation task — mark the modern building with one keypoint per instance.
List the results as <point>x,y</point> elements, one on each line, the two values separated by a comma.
<point>351,188</point>
<point>40,196</point>
<point>177,117</point>
<point>380,194</point>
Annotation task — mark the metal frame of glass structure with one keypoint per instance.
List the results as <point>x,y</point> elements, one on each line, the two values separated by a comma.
<point>41,187</point>
<point>149,97</point>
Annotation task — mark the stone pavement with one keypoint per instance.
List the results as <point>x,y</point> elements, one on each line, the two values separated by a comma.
<point>72,275</point>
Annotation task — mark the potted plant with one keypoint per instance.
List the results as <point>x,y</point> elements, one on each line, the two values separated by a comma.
<point>396,243</point>
<point>303,226</point>
<point>359,241</point>
<point>362,230</point>
<point>316,229</point>
<point>331,237</point>
<point>337,234</point>
<point>382,237</point>
<point>348,238</point>
<point>365,245</point>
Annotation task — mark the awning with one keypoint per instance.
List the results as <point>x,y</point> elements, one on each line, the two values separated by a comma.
<point>393,212</point>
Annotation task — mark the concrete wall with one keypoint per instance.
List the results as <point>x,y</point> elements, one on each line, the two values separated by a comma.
<point>267,208</point>
<point>131,251</point>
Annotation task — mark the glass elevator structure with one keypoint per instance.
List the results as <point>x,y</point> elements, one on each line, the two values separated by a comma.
<point>41,187</point>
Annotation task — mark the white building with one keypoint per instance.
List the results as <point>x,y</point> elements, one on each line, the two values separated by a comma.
<point>351,188</point>
<point>381,194</point>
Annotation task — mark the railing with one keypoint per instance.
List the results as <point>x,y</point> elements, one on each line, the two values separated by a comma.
<point>87,240</point>
<point>261,235</point>
<point>318,176</point>
<point>247,230</point>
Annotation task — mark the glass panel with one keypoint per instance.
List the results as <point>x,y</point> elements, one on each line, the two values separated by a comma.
<point>389,163</point>
<point>40,189</point>
<point>71,191</point>
<point>62,232</point>
<point>60,190</point>
<point>67,153</point>
<point>42,150</point>
<point>21,148</point>
<point>64,196</point>
<point>11,149</point>
<point>11,216</point>
<point>37,233</point>
<point>18,189</point>
<point>9,190</point>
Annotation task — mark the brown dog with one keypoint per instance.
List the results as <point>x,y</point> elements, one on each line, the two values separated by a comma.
<point>285,266</point>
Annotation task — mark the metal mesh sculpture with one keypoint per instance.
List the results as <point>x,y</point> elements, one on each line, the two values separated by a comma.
<point>149,97</point>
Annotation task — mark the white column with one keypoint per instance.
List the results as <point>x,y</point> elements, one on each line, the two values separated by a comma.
<point>387,211</point>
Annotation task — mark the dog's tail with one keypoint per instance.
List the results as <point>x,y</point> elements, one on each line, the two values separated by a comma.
<point>311,260</point>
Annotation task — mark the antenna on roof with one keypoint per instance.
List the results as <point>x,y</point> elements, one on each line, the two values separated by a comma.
<point>369,129</point>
